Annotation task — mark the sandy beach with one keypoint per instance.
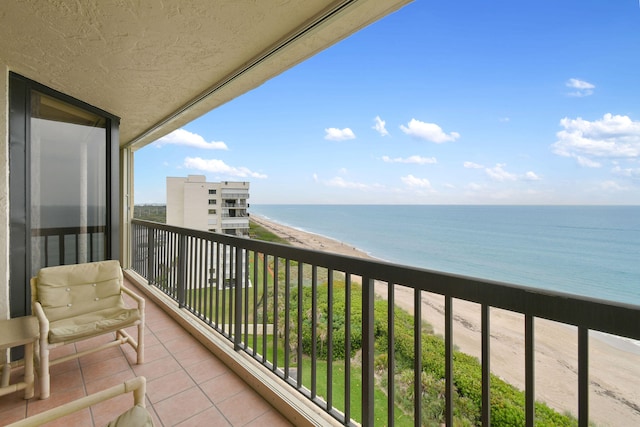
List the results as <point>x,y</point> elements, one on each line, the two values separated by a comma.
<point>614,370</point>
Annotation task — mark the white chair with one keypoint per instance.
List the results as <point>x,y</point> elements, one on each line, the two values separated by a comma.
<point>81,301</point>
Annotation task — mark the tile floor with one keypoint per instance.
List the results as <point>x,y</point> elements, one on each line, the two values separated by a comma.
<point>186,384</point>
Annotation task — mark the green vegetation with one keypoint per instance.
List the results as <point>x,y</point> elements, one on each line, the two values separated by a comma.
<point>157,213</point>
<point>507,402</point>
<point>260,233</point>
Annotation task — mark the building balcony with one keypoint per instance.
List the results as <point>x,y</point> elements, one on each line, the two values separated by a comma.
<point>251,352</point>
<point>187,384</point>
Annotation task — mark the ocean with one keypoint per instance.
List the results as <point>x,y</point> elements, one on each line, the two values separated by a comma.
<point>592,251</point>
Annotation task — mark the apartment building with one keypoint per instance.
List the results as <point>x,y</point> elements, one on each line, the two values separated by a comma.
<point>221,207</point>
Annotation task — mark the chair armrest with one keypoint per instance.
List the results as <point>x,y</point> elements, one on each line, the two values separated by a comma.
<point>139,300</point>
<point>43,322</point>
<point>136,385</point>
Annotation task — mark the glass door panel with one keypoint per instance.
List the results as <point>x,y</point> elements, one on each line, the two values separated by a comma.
<point>68,188</point>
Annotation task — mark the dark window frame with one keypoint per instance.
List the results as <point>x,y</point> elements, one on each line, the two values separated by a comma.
<point>20,89</point>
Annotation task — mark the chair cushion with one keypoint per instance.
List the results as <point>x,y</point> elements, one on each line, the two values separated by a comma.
<point>90,324</point>
<point>134,417</point>
<point>72,290</point>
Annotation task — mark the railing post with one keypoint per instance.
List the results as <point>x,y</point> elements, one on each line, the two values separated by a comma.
<point>368,382</point>
<point>237,315</point>
<point>583,376</point>
<point>182,270</point>
<point>151,250</point>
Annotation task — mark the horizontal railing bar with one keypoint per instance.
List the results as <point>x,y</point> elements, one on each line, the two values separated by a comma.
<point>594,314</point>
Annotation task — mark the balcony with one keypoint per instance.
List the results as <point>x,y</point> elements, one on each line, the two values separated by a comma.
<point>211,352</point>
<point>187,384</point>
<point>264,320</point>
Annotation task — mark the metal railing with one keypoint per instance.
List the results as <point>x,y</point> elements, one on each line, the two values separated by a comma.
<point>268,318</point>
<point>69,245</point>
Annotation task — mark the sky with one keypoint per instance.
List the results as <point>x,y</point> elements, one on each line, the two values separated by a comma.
<point>441,102</point>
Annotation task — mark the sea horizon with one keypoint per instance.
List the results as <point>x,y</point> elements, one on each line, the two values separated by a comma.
<point>584,250</point>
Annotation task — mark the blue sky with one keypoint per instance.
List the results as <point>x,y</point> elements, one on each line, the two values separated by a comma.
<point>449,102</point>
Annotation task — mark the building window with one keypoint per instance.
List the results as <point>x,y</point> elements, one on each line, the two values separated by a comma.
<point>212,212</point>
<point>212,201</point>
<point>212,191</point>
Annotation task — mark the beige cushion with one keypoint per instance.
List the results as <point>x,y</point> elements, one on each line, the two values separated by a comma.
<point>91,324</point>
<point>134,417</point>
<point>72,290</point>
<point>82,300</point>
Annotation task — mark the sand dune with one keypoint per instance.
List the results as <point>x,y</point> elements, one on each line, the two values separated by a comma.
<point>614,370</point>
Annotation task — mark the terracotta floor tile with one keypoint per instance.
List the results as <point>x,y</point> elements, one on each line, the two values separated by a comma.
<point>272,419</point>
<point>173,333</point>
<point>157,368</point>
<point>243,407</point>
<point>181,343</point>
<point>207,369</point>
<point>66,380</point>
<point>192,355</point>
<point>182,406</point>
<point>13,414</point>
<point>210,417</point>
<point>105,368</point>
<point>223,387</point>
<point>67,366</point>
<point>57,398</point>
<point>169,385</point>
<point>102,355</point>
<point>108,381</point>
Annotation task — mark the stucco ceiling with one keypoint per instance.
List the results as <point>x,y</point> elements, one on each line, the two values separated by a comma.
<point>160,64</point>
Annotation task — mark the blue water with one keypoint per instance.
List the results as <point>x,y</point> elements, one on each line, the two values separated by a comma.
<point>585,250</point>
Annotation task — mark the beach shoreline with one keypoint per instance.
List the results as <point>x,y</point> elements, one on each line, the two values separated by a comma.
<point>614,397</point>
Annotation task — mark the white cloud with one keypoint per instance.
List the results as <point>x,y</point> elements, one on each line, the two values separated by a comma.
<point>189,139</point>
<point>412,181</point>
<point>582,88</point>
<point>611,137</point>
<point>586,162</point>
<point>531,176</point>
<point>428,131</point>
<point>472,165</point>
<point>611,186</point>
<point>335,134</point>
<point>218,166</point>
<point>342,183</point>
<point>411,159</point>
<point>627,172</point>
<point>498,173</point>
<point>380,126</point>
<point>315,177</point>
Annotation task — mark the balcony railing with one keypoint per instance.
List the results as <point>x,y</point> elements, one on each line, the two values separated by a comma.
<point>67,245</point>
<point>251,292</point>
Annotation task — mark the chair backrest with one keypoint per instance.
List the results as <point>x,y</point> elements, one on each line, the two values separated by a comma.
<point>71,290</point>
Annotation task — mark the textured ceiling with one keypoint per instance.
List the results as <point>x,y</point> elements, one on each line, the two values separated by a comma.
<point>160,64</point>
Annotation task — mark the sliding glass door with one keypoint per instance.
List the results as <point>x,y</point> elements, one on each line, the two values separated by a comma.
<point>63,184</point>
